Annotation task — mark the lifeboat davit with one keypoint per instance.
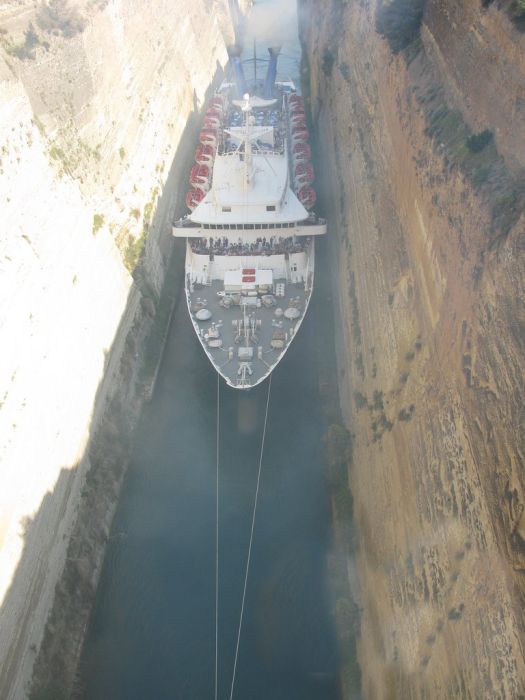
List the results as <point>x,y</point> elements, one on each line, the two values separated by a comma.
<point>204,155</point>
<point>307,196</point>
<point>302,151</point>
<point>193,198</point>
<point>304,173</point>
<point>208,137</point>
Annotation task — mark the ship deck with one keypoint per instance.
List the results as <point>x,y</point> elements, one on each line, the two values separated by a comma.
<point>246,361</point>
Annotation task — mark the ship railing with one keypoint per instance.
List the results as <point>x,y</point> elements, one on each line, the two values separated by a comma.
<point>185,222</point>
<point>256,152</point>
<point>261,247</point>
<point>314,221</point>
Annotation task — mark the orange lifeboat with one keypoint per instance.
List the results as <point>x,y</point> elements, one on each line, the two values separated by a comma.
<point>304,173</point>
<point>301,126</point>
<point>199,176</point>
<point>208,137</point>
<point>211,122</point>
<point>193,198</point>
<point>204,155</point>
<point>300,136</point>
<point>296,99</point>
<point>302,151</point>
<point>307,196</point>
<point>298,114</point>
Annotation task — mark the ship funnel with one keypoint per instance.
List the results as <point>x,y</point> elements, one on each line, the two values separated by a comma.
<point>271,73</point>
<point>234,53</point>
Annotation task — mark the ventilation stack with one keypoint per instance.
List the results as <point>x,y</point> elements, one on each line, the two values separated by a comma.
<point>234,53</point>
<point>271,73</point>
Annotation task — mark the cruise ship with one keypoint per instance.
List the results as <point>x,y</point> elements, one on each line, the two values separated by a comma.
<point>251,229</point>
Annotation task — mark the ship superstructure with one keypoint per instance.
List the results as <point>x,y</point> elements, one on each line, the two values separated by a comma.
<point>250,234</point>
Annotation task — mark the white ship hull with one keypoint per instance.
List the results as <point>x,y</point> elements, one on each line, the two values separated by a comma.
<point>250,252</point>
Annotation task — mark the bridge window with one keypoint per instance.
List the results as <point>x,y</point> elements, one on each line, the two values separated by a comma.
<point>270,207</point>
<point>226,208</point>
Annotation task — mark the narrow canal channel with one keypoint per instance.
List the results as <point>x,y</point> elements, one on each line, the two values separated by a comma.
<point>152,634</point>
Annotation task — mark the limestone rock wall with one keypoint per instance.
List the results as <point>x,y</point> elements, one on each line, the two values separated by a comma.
<point>91,115</point>
<point>430,313</point>
<point>480,58</point>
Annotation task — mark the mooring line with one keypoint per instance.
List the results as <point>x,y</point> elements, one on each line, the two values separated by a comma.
<point>251,539</point>
<point>217,545</point>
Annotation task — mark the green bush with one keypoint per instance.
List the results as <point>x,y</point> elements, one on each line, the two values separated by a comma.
<point>133,252</point>
<point>58,17</point>
<point>477,142</point>
<point>328,62</point>
<point>27,49</point>
<point>98,222</point>
<point>399,21</point>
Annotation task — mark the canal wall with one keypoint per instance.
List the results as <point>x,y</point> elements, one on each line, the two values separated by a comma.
<point>423,190</point>
<point>99,104</point>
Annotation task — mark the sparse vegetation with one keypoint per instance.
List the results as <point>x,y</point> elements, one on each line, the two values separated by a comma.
<point>338,444</point>
<point>122,153</point>
<point>57,153</point>
<point>327,63</point>
<point>133,251</point>
<point>517,14</point>
<point>98,222</point>
<point>405,414</point>
<point>345,71</point>
<point>52,692</point>
<point>377,404</point>
<point>399,21</point>
<point>58,17</point>
<point>477,142</point>
<point>360,400</point>
<point>25,50</point>
<point>477,157</point>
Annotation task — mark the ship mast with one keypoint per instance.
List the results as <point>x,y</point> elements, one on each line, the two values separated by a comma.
<point>247,109</point>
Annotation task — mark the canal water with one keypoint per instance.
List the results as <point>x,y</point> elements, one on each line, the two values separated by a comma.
<point>152,633</point>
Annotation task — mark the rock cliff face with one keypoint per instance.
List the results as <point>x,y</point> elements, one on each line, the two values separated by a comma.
<point>431,324</point>
<point>95,97</point>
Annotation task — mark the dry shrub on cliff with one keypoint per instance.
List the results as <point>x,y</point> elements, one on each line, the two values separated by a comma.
<point>59,17</point>
<point>25,50</point>
<point>514,8</point>
<point>399,21</point>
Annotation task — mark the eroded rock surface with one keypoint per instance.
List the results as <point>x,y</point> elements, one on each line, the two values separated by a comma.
<point>431,319</point>
<point>94,100</point>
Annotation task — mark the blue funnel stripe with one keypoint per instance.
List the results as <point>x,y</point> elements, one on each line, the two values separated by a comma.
<point>271,73</point>
<point>242,87</point>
